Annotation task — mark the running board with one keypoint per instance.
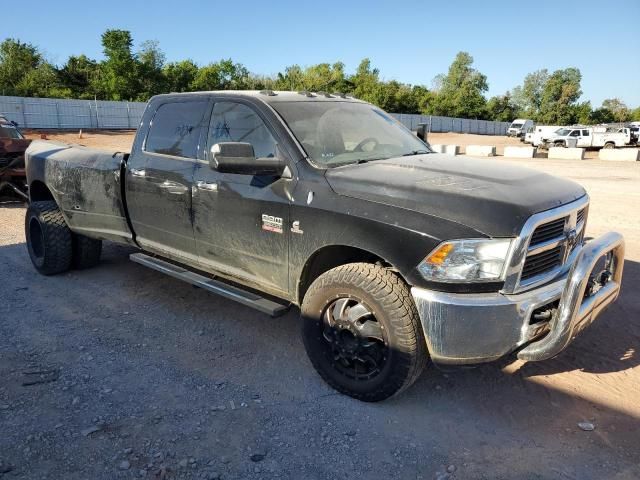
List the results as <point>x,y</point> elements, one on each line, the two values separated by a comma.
<point>228,291</point>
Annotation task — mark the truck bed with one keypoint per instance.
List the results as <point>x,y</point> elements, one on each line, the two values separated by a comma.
<point>86,183</point>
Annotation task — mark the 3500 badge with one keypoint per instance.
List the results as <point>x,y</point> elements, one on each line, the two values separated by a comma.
<point>271,223</point>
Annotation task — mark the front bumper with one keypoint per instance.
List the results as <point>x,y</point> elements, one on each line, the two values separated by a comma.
<point>475,328</point>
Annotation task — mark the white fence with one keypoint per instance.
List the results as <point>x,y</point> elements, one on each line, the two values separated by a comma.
<point>52,113</point>
<point>456,125</point>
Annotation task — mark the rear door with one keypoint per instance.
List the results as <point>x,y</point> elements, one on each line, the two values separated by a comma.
<point>160,179</point>
<point>585,138</point>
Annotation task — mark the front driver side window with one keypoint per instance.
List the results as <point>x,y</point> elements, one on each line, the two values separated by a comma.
<point>236,122</point>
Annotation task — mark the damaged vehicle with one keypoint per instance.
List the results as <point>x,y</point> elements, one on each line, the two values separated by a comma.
<point>12,148</point>
<point>396,256</point>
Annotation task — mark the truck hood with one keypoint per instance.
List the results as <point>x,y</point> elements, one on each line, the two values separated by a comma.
<point>490,196</point>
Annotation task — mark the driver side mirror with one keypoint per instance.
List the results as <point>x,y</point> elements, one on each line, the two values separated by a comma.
<point>239,158</point>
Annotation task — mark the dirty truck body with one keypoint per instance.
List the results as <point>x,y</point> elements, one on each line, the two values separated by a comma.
<point>394,254</point>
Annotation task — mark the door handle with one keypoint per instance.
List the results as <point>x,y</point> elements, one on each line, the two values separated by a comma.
<point>138,172</point>
<point>209,186</point>
<point>173,187</point>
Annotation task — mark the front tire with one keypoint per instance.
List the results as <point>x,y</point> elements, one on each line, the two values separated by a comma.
<point>49,240</point>
<point>362,331</point>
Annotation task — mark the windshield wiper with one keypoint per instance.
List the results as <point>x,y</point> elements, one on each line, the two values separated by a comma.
<point>416,152</point>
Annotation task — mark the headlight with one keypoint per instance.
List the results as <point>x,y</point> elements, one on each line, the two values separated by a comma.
<point>472,260</point>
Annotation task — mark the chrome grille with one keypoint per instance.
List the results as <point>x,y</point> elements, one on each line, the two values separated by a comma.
<point>551,244</point>
<point>548,231</point>
<point>546,246</point>
<point>542,262</point>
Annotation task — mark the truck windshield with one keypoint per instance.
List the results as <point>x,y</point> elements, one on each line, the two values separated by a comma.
<point>9,131</point>
<point>516,125</point>
<point>341,133</point>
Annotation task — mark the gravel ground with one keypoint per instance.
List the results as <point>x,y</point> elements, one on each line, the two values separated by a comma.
<point>120,372</point>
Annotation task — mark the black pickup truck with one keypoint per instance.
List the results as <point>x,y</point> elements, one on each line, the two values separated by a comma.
<point>394,254</point>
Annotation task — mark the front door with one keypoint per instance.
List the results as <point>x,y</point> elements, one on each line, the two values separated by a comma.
<point>160,180</point>
<point>241,222</point>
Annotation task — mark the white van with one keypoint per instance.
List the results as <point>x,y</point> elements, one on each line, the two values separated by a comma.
<point>519,127</point>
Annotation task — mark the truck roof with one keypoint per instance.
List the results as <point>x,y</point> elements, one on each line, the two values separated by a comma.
<point>273,96</point>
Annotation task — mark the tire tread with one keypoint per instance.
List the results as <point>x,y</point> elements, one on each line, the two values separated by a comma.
<point>391,292</point>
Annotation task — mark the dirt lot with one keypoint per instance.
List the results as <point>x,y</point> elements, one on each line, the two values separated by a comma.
<point>141,376</point>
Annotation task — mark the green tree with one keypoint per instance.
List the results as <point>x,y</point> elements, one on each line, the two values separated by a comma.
<point>25,72</point>
<point>528,97</point>
<point>117,74</point>
<point>502,108</point>
<point>559,97</point>
<point>635,115</point>
<point>366,83</point>
<point>601,115</point>
<point>179,76</point>
<point>461,92</point>
<point>78,75</point>
<point>222,75</point>
<point>618,109</point>
<point>150,61</point>
<point>583,114</point>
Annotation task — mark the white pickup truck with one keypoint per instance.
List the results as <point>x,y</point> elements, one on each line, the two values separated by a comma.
<point>590,137</point>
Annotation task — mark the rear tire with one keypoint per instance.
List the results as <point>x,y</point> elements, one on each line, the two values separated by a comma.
<point>362,331</point>
<point>49,240</point>
<point>86,251</point>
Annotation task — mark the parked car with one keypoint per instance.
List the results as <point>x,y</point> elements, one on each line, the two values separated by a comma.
<point>394,254</point>
<point>519,127</point>
<point>590,137</point>
<point>12,148</point>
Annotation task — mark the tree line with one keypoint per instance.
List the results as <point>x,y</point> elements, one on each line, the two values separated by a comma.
<point>124,74</point>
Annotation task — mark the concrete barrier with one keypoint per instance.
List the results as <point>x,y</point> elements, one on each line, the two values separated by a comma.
<point>480,150</point>
<point>619,154</point>
<point>520,152</point>
<point>451,149</point>
<point>437,148</point>
<point>566,153</point>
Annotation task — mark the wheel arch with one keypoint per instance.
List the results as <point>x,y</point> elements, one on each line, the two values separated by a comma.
<point>39,192</point>
<point>331,256</point>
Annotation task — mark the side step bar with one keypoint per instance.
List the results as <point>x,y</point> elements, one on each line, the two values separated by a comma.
<point>228,291</point>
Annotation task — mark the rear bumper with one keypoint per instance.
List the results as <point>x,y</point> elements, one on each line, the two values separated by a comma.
<point>475,328</point>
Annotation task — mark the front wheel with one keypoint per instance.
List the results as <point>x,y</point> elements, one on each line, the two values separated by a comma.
<point>609,145</point>
<point>362,331</point>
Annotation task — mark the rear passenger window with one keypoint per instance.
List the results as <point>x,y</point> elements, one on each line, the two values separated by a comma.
<point>175,129</point>
<point>585,133</point>
<point>236,122</point>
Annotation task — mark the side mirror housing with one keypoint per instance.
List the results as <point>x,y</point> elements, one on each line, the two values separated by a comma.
<point>239,158</point>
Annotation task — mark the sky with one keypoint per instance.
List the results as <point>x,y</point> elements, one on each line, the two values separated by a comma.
<point>410,42</point>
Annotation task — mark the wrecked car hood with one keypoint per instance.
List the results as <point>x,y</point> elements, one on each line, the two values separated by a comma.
<point>490,196</point>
